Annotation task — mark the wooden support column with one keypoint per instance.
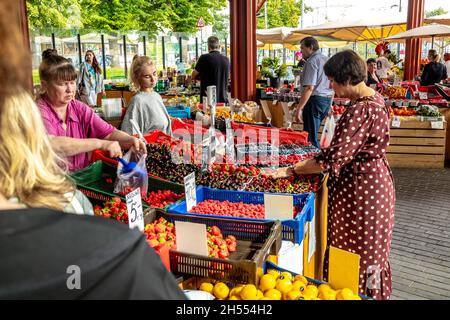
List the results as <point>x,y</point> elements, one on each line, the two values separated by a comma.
<point>413,46</point>
<point>243,49</point>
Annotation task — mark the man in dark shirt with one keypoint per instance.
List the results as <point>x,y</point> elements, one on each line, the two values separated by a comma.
<point>213,69</point>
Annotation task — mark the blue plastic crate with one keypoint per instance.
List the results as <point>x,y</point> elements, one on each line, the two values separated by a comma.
<point>293,229</point>
<point>179,112</point>
<point>271,266</point>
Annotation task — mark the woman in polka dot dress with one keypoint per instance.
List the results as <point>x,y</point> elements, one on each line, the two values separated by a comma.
<point>361,186</point>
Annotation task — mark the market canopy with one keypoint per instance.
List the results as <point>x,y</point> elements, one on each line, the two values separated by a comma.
<point>442,19</point>
<point>274,35</point>
<point>428,31</point>
<point>373,29</point>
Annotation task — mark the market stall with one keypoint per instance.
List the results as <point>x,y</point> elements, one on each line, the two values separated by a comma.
<point>295,246</point>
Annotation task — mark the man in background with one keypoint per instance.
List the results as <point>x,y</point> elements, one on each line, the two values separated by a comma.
<point>384,65</point>
<point>315,102</point>
<point>213,69</point>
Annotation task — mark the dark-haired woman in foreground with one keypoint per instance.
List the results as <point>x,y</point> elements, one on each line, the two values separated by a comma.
<point>74,128</point>
<point>361,186</point>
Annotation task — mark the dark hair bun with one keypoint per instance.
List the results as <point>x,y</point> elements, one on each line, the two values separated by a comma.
<point>49,53</point>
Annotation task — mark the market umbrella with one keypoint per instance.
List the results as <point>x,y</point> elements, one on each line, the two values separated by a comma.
<point>274,35</point>
<point>372,29</point>
<point>429,31</point>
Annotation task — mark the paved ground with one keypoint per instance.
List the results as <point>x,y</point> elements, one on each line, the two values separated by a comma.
<point>420,251</point>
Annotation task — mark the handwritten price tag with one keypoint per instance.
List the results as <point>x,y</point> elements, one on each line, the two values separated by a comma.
<point>437,125</point>
<point>190,191</point>
<point>134,207</point>
<point>423,95</point>
<point>396,122</point>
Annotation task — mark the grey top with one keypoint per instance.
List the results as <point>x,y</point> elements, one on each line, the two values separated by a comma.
<point>148,111</point>
<point>313,75</point>
<point>88,81</point>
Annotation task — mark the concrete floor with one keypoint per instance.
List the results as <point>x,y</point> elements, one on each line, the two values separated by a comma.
<point>420,251</point>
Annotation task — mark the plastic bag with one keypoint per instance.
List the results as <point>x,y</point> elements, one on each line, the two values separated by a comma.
<point>328,132</point>
<point>137,178</point>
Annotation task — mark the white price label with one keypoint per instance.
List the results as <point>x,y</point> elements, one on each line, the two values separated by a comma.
<point>423,95</point>
<point>191,238</point>
<point>274,102</point>
<point>373,86</point>
<point>290,104</point>
<point>396,122</point>
<point>230,141</point>
<point>278,207</point>
<point>437,125</point>
<point>134,207</point>
<point>212,95</point>
<point>190,191</point>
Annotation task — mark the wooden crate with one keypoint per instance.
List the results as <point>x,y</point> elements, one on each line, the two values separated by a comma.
<point>446,113</point>
<point>414,145</point>
<point>417,145</point>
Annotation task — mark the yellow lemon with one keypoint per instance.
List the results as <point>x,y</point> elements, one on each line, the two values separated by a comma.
<point>324,287</point>
<point>293,295</point>
<point>236,291</point>
<point>273,294</point>
<point>206,286</point>
<point>327,294</point>
<point>267,282</point>
<point>344,294</point>
<point>221,290</point>
<point>287,275</point>
<point>249,292</point>
<point>298,285</point>
<point>233,298</point>
<point>311,291</point>
<point>356,297</point>
<point>283,285</point>
<point>274,273</point>
<point>301,278</point>
<point>259,295</point>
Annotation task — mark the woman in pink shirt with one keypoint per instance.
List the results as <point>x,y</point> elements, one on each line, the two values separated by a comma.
<point>74,128</point>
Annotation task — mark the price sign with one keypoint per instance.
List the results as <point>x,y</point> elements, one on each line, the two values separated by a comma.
<point>212,95</point>
<point>423,95</point>
<point>134,207</point>
<point>230,140</point>
<point>396,122</point>
<point>191,238</point>
<point>212,145</point>
<point>278,207</point>
<point>373,86</point>
<point>205,104</point>
<point>190,191</point>
<point>437,125</point>
<point>396,82</point>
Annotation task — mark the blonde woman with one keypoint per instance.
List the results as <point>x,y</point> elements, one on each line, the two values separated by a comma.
<point>434,72</point>
<point>146,107</point>
<point>30,172</point>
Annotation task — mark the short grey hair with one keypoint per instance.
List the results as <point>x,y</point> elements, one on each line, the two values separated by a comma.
<point>213,43</point>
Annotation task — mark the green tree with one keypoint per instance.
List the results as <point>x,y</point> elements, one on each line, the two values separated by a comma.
<point>282,13</point>
<point>45,14</point>
<point>436,12</point>
<point>185,13</point>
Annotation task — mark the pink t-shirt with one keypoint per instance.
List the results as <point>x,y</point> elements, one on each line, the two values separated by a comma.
<point>82,123</point>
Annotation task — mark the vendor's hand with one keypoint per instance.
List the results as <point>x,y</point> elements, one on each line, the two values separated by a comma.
<point>299,116</point>
<point>282,173</point>
<point>139,146</point>
<point>112,147</point>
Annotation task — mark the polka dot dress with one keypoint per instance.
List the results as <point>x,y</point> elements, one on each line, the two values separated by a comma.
<point>361,193</point>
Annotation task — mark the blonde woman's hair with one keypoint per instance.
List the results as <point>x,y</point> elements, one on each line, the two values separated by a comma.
<point>434,55</point>
<point>29,167</point>
<point>138,63</point>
